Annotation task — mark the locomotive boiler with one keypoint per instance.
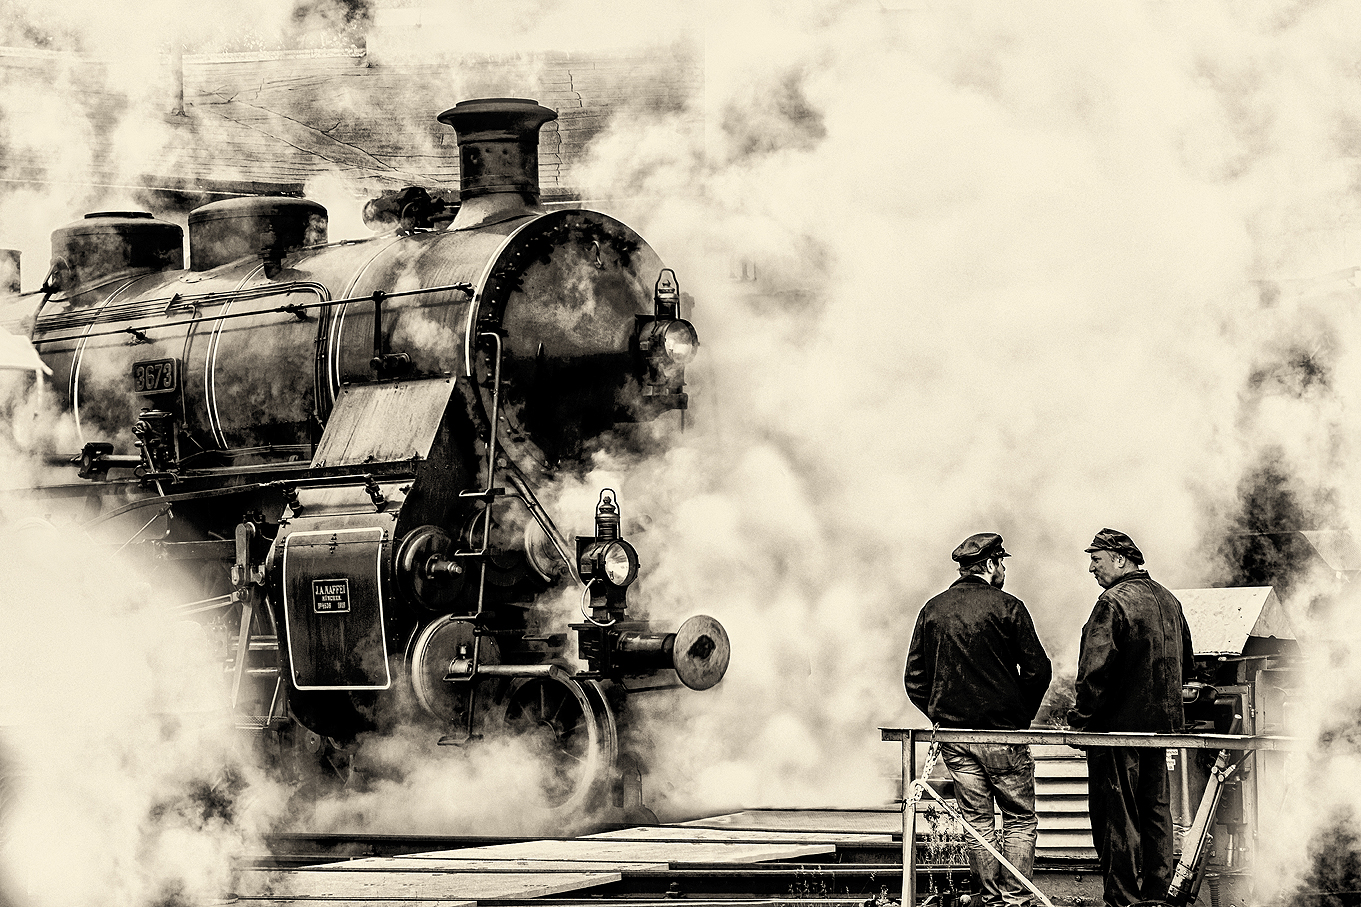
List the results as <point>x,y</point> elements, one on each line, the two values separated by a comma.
<point>347,444</point>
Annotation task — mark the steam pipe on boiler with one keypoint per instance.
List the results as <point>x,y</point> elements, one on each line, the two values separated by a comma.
<point>235,295</point>
<point>545,522</point>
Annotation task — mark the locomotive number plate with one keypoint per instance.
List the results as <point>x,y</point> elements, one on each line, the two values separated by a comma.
<point>331,596</point>
<point>155,376</point>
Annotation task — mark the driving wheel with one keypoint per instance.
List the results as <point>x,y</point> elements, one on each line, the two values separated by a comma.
<point>570,727</point>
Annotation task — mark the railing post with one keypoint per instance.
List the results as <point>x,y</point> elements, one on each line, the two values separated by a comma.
<point>909,820</point>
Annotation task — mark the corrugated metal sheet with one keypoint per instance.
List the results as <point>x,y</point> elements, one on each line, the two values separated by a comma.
<point>1061,802</point>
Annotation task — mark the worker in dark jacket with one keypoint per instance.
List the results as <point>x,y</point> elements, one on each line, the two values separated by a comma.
<point>976,662</point>
<point>1136,654</point>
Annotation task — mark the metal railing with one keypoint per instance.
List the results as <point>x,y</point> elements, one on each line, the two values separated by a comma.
<point>911,785</point>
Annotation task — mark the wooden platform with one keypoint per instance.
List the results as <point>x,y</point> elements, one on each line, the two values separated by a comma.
<point>535,869</point>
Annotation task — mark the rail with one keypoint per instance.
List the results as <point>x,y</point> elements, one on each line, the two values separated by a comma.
<point>909,738</point>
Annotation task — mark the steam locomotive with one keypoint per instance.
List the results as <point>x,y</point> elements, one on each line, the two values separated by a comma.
<point>345,446</point>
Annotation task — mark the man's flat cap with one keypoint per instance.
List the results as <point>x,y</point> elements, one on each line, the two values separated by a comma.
<point>979,547</point>
<point>1110,540</point>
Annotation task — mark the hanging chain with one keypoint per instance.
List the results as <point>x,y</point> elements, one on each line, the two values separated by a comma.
<point>932,753</point>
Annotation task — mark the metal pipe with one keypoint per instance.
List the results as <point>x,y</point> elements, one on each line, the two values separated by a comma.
<point>491,473</point>
<point>922,786</point>
<point>495,412</point>
<point>545,522</point>
<point>556,672</point>
<point>1195,842</point>
<point>163,511</point>
<point>236,295</point>
<point>177,74</point>
<point>1187,816</point>
<point>1091,738</point>
<point>215,603</point>
<point>378,297</point>
<point>909,777</point>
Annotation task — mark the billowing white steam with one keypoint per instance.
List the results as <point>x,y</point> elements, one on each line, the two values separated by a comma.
<point>1028,245</point>
<point>116,743</point>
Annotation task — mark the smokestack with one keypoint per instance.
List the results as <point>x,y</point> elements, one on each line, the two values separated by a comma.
<point>498,147</point>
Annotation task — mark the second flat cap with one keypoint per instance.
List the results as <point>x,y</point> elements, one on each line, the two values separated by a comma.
<point>1111,540</point>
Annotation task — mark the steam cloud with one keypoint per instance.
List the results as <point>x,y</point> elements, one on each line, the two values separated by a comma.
<point>1045,270</point>
<point>1034,270</point>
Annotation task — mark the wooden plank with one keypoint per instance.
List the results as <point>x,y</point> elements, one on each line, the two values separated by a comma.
<point>357,902</point>
<point>381,886</point>
<point>739,835</point>
<point>613,852</point>
<point>440,862</point>
<point>866,821</point>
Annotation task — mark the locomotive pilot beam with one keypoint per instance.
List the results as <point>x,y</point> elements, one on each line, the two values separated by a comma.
<point>344,446</point>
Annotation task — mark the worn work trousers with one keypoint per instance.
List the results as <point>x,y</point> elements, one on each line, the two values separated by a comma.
<point>1001,773</point>
<point>1128,797</point>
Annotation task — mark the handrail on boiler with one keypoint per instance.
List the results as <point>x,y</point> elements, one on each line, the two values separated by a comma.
<point>910,737</point>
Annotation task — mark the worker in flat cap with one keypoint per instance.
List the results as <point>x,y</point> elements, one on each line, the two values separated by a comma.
<point>1135,656</point>
<point>975,661</point>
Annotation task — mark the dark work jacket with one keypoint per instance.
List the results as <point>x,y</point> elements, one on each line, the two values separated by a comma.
<point>975,661</point>
<point>1136,653</point>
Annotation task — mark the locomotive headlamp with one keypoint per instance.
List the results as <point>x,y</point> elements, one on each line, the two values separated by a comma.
<point>673,344</point>
<point>669,340</point>
<point>617,563</point>
<point>664,344</point>
<point>607,560</point>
